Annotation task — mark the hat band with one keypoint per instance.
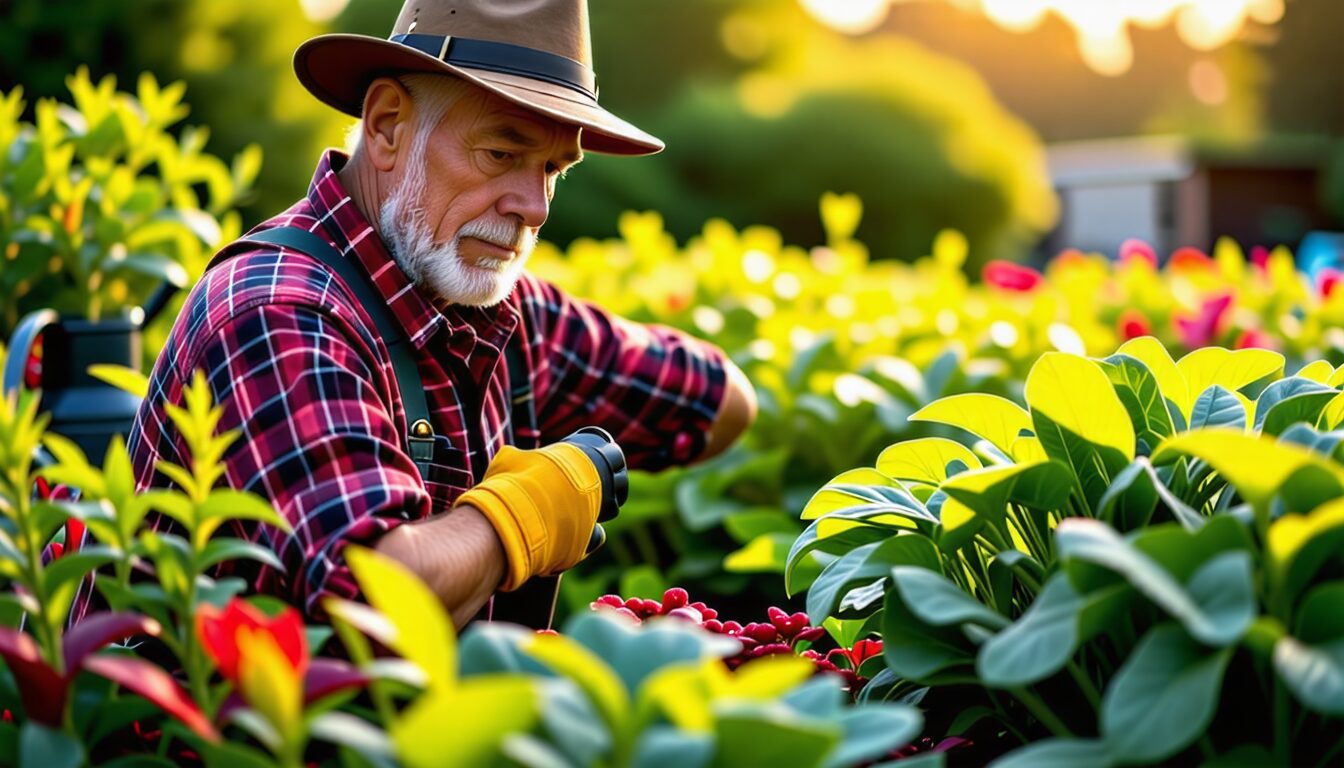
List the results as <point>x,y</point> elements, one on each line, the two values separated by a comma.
<point>505,58</point>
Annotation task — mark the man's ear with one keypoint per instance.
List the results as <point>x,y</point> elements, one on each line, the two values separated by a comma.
<point>388,122</point>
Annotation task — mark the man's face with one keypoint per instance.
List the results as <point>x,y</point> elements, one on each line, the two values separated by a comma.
<point>462,223</point>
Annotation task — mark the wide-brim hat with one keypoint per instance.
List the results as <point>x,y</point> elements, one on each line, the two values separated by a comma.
<point>533,53</point>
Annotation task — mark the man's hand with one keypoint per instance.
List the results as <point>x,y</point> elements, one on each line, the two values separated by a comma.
<point>543,505</point>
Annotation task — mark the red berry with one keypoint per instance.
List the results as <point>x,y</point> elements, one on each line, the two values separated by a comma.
<point>687,614</point>
<point>674,598</point>
<point>777,617</point>
<point>731,627</point>
<point>771,649</point>
<point>713,625</point>
<point>614,601</point>
<point>810,634</point>
<point>761,632</point>
<point>651,607</point>
<point>634,604</point>
<point>706,611</point>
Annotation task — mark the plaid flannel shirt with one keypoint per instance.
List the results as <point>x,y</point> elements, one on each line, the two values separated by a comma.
<point>303,376</point>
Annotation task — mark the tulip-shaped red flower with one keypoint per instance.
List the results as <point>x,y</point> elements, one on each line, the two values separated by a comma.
<point>220,632</point>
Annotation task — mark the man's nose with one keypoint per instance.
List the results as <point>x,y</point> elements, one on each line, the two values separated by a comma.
<point>529,199</point>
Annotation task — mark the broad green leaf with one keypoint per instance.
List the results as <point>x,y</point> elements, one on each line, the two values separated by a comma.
<point>1138,390</point>
<point>1046,636</point>
<point>424,634</point>
<point>935,600</point>
<point>660,746</point>
<point>750,524</point>
<point>988,491</point>
<point>917,651</point>
<point>767,553</point>
<point>1205,367</point>
<point>1153,354</point>
<point>760,737</point>
<point>1080,421</point>
<point>1225,593</point>
<point>1094,542</point>
<point>1324,443</point>
<point>1298,545</point>
<point>865,565</point>
<point>482,711</point>
<point>1289,401</point>
<point>1320,618</point>
<point>1129,502</point>
<point>42,746</point>
<point>1163,697</point>
<point>1312,663</point>
<point>1218,407</point>
<point>993,418</point>
<point>849,489</point>
<point>838,544</point>
<point>571,660</point>
<point>925,459</point>
<point>1058,753</point>
<point>873,731</point>
<point>635,652</point>
<point>1318,371</point>
<point>1257,466</point>
<point>1332,415</point>
<point>1182,551</point>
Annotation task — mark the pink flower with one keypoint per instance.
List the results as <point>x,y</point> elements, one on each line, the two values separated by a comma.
<point>1201,329</point>
<point>1011,277</point>
<point>1134,249</point>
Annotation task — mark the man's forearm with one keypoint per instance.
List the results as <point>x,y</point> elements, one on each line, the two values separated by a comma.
<point>458,555</point>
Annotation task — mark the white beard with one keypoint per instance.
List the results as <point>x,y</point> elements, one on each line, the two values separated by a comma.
<point>438,269</point>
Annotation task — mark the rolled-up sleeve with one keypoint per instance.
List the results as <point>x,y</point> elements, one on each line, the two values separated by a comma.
<point>316,438</point>
<point>656,389</point>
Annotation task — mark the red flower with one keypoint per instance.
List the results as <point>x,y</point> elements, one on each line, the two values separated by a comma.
<point>1260,257</point>
<point>1011,277</point>
<point>1134,249</point>
<point>1252,338</point>
<point>1133,324</point>
<point>1327,281</point>
<point>1189,258</point>
<point>32,367</point>
<point>219,631</point>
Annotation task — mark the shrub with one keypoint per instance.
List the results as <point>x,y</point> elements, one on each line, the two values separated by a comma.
<point>99,201</point>
<point>1104,563</point>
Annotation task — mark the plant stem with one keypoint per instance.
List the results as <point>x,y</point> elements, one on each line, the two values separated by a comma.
<point>1085,685</point>
<point>1281,746</point>
<point>1041,712</point>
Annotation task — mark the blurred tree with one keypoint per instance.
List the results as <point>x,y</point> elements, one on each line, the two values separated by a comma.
<point>234,57</point>
<point>763,109</point>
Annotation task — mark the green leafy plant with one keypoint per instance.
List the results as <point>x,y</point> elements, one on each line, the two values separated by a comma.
<point>607,691</point>
<point>1102,564</point>
<point>99,201</point>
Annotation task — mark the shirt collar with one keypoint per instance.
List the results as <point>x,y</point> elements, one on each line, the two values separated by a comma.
<point>418,314</point>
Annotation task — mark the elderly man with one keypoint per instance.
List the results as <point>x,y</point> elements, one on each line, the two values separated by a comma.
<point>471,113</point>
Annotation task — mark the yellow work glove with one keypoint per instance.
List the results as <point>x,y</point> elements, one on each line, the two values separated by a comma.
<point>543,504</point>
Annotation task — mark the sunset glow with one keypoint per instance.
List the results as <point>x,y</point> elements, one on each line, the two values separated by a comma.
<point>1102,26</point>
